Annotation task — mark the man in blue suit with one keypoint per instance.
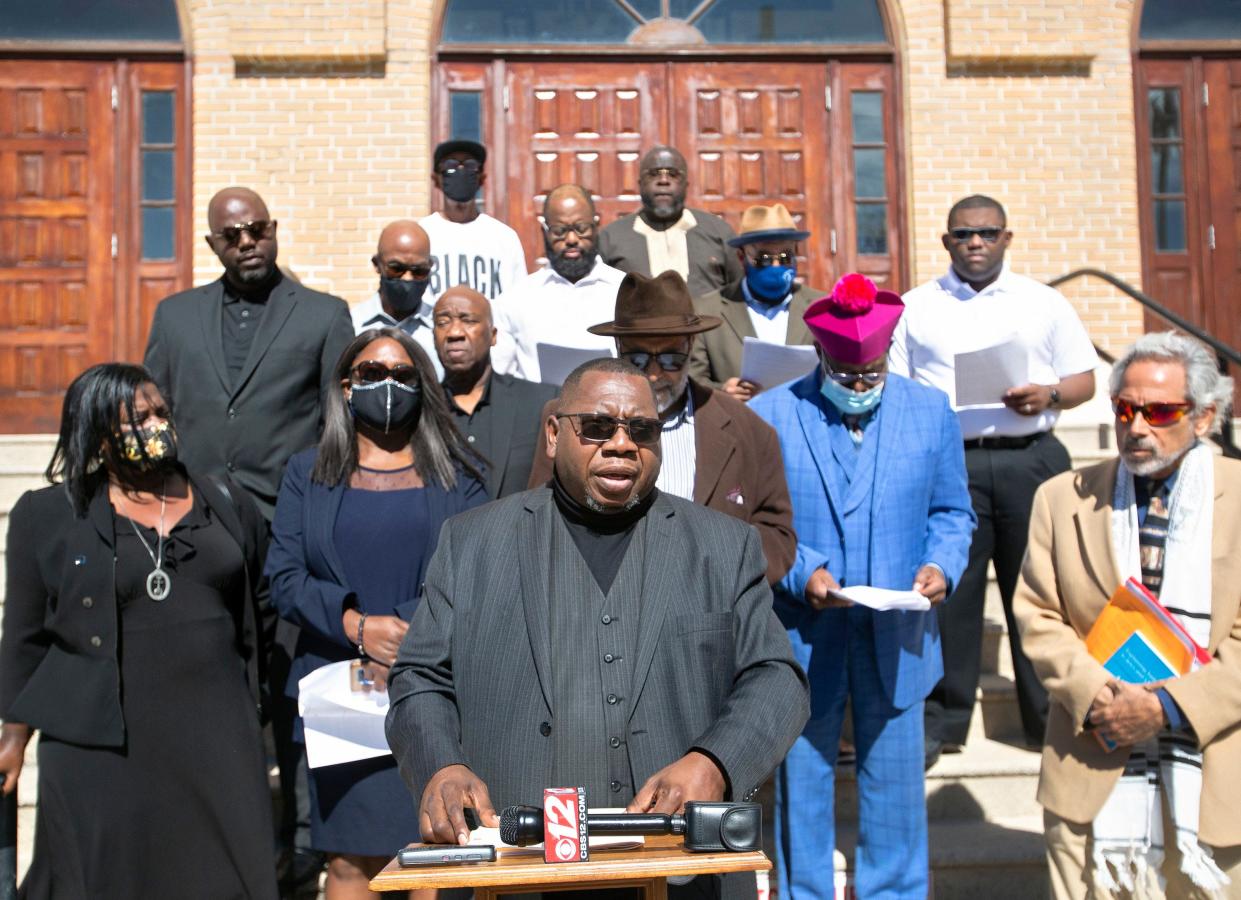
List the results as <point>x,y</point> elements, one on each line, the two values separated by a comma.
<point>877,477</point>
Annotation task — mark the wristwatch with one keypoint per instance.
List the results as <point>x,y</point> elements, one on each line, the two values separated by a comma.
<point>1055,398</point>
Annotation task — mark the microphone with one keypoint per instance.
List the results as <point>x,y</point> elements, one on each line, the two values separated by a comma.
<point>706,826</point>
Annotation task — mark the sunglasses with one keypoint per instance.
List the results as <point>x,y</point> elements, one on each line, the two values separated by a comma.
<point>258,230</point>
<point>663,172</point>
<point>394,269</point>
<point>560,232</point>
<point>763,260</point>
<point>451,168</point>
<point>988,234</point>
<point>371,372</point>
<point>669,362</point>
<point>598,428</point>
<point>844,379</point>
<point>1157,415</point>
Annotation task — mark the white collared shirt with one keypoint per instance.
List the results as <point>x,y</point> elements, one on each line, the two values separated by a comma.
<point>770,320</point>
<point>679,451</point>
<point>667,249</point>
<point>370,314</point>
<point>546,308</point>
<point>946,316</point>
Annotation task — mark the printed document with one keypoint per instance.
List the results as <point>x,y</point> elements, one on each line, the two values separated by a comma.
<point>767,364</point>
<point>984,375</point>
<point>342,725</point>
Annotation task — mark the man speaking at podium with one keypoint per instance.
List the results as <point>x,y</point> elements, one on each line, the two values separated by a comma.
<point>595,632</point>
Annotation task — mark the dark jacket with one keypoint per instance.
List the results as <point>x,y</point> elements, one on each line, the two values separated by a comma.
<point>59,664</point>
<point>712,263</point>
<point>307,579</point>
<point>717,353</point>
<point>738,470</point>
<point>250,429</point>
<point>509,441</point>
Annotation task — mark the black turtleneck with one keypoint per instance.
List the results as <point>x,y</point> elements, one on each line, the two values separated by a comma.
<point>601,538</point>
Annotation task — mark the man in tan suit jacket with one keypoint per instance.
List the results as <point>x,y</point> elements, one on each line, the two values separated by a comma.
<point>1167,396</point>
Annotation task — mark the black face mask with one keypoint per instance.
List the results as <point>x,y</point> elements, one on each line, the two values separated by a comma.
<point>159,443</point>
<point>403,296</point>
<point>460,185</point>
<point>386,405</point>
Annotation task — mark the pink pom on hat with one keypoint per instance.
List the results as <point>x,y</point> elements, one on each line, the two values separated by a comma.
<point>854,323</point>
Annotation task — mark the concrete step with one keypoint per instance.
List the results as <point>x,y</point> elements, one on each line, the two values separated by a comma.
<point>996,715</point>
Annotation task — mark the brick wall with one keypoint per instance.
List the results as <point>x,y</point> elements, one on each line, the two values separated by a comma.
<point>333,134</point>
<point>1033,104</point>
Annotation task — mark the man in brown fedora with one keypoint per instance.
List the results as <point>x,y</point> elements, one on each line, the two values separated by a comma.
<point>766,303</point>
<point>716,452</point>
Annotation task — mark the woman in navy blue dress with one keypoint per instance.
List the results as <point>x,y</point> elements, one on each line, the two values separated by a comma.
<point>356,523</point>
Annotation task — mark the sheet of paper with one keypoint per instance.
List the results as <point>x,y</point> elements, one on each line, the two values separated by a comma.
<point>597,841</point>
<point>883,599</point>
<point>768,364</point>
<point>556,362</point>
<point>342,725</point>
<point>984,375</point>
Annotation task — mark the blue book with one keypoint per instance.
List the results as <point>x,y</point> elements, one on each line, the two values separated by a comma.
<point>1136,661</point>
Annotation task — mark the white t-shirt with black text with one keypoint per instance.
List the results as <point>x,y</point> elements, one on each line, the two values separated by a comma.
<point>485,255</point>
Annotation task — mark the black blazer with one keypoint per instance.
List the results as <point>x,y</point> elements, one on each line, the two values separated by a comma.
<point>59,668</point>
<point>250,429</point>
<point>512,437</point>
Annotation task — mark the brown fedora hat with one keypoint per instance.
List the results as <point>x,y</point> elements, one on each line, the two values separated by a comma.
<point>767,223</point>
<point>659,305</point>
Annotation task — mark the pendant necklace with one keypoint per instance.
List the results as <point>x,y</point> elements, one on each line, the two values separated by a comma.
<point>159,585</point>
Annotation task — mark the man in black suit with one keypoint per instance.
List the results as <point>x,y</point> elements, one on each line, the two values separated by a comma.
<point>243,363</point>
<point>500,415</point>
<point>595,632</point>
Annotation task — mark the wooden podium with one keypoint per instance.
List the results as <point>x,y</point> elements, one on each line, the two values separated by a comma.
<point>647,868</point>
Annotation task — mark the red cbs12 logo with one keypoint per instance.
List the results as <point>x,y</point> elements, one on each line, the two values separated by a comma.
<point>565,837</point>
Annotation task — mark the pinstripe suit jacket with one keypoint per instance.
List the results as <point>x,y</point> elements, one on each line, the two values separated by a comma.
<point>920,512</point>
<point>713,668</point>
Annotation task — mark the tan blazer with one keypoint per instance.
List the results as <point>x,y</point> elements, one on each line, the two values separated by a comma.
<point>1068,576</point>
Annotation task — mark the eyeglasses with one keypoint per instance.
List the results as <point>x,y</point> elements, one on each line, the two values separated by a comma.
<point>598,428</point>
<point>372,372</point>
<point>393,269</point>
<point>560,232</point>
<point>763,260</point>
<point>258,230</point>
<point>669,362</point>
<point>990,234</point>
<point>451,167</point>
<point>844,379</point>
<point>663,172</point>
<point>1157,415</point>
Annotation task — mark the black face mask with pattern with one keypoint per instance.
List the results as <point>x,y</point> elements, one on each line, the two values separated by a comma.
<point>386,405</point>
<point>149,449</point>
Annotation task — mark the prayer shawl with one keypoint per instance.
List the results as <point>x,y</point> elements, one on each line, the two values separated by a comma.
<point>1128,837</point>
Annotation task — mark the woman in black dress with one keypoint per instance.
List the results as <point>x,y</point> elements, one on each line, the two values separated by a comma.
<point>132,643</point>
<point>356,522</point>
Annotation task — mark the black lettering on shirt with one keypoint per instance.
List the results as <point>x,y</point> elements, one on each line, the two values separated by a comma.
<point>480,273</point>
<point>463,270</point>
<point>495,279</point>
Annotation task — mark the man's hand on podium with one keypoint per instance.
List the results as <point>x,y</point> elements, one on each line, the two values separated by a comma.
<point>441,814</point>
<point>694,776</point>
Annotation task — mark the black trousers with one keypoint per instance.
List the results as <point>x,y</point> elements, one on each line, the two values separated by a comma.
<point>1002,485</point>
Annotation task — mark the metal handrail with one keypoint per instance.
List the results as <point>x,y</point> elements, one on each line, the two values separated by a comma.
<point>1223,352</point>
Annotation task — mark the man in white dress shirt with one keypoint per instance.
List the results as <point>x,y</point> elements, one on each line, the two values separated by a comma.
<point>404,263</point>
<point>555,305</point>
<point>1009,446</point>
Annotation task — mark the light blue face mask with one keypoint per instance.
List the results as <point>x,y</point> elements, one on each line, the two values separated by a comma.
<point>848,401</point>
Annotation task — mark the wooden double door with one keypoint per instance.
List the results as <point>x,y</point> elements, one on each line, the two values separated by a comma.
<point>815,136</point>
<point>93,173</point>
<point>1189,165</point>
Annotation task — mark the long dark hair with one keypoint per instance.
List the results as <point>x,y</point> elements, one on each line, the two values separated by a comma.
<point>90,422</point>
<point>440,452</point>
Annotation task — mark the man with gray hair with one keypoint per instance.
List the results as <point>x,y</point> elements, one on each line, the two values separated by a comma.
<point>1157,810</point>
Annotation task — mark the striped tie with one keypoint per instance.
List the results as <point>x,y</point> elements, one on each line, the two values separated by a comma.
<point>1153,536</point>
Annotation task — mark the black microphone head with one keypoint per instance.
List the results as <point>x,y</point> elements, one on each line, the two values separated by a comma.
<point>521,826</point>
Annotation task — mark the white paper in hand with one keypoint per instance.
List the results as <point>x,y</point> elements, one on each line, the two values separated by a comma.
<point>342,725</point>
<point>883,599</point>
<point>556,362</point>
<point>983,376</point>
<point>767,364</point>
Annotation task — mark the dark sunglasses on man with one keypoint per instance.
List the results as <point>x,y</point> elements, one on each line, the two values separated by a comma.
<point>1157,415</point>
<point>663,172</point>
<point>258,230</point>
<point>598,428</point>
<point>394,269</point>
<point>669,362</point>
<point>763,260</point>
<point>451,167</point>
<point>989,234</point>
<point>372,372</point>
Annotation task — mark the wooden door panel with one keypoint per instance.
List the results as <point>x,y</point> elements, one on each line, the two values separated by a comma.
<point>580,123</point>
<point>1223,149</point>
<point>757,134</point>
<point>56,200</point>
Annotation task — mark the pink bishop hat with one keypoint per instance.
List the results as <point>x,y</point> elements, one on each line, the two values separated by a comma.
<point>854,323</point>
